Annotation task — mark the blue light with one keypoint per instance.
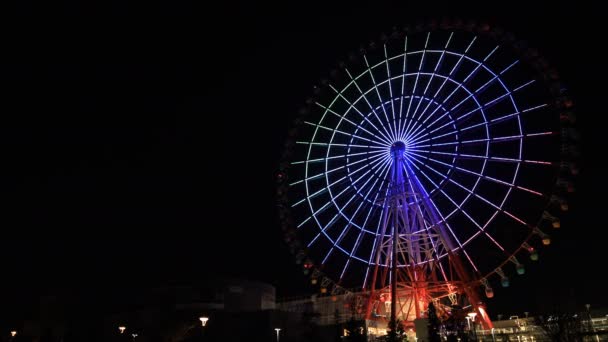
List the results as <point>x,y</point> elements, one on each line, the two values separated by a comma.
<point>446,132</point>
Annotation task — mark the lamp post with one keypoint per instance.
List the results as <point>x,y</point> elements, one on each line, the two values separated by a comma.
<point>13,334</point>
<point>472,315</point>
<point>204,320</point>
<point>122,329</point>
<point>278,330</point>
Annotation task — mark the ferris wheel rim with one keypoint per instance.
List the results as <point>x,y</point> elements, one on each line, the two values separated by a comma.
<point>378,138</point>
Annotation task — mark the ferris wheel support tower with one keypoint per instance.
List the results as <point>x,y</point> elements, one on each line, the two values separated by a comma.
<point>412,234</point>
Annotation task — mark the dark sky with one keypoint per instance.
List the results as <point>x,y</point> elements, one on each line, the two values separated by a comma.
<point>139,141</point>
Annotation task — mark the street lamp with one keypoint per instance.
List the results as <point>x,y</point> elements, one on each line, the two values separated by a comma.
<point>134,336</point>
<point>122,328</point>
<point>472,315</point>
<point>204,320</point>
<point>277,330</point>
<point>13,333</point>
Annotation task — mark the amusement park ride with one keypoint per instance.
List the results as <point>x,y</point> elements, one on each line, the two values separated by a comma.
<point>427,167</point>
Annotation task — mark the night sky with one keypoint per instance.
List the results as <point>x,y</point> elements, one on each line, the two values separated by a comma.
<point>140,141</point>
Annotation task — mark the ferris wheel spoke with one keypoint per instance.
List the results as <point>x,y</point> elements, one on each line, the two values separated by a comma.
<point>385,165</point>
<point>390,88</point>
<point>384,174</point>
<point>481,231</point>
<point>324,228</point>
<point>378,165</point>
<point>482,176</point>
<point>384,169</point>
<point>489,123</point>
<point>414,124</point>
<point>343,133</point>
<point>319,160</point>
<point>409,106</point>
<point>328,188</point>
<point>416,135</point>
<point>388,134</point>
<point>452,122</point>
<point>455,210</point>
<point>401,99</point>
<point>316,212</point>
<point>337,243</point>
<point>459,85</point>
<point>319,175</point>
<point>374,166</point>
<point>523,85</point>
<point>437,187</point>
<point>312,143</point>
<point>442,175</point>
<point>449,77</point>
<point>474,156</point>
<point>491,140</point>
<point>417,124</point>
<point>377,234</point>
<point>419,140</point>
<point>380,138</point>
<point>517,219</point>
<point>477,91</point>
<point>435,211</point>
<point>381,167</point>
<point>439,60</point>
<point>361,232</point>
<point>459,206</point>
<point>372,208</point>
<point>445,80</point>
<point>371,74</point>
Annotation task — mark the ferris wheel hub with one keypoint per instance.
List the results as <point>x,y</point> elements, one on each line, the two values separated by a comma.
<point>398,147</point>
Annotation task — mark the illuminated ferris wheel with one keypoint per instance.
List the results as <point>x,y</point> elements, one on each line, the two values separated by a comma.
<point>430,164</point>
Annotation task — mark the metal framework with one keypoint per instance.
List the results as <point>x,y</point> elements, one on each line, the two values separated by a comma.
<point>413,167</point>
<point>411,240</point>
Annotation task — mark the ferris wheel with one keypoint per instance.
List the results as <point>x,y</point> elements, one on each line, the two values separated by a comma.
<point>432,162</point>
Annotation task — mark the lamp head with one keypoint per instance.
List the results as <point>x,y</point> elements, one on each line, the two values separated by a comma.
<point>204,320</point>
